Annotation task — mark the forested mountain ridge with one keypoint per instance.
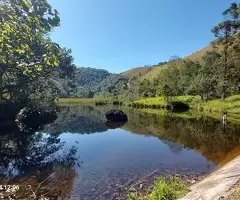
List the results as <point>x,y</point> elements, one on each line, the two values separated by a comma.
<point>91,82</point>
<point>197,74</point>
<point>87,76</point>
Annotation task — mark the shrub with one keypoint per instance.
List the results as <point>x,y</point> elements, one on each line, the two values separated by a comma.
<point>164,189</point>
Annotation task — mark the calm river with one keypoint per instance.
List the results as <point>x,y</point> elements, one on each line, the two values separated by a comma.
<point>79,155</point>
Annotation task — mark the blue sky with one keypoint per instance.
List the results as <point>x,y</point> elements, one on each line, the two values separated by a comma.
<point>117,35</point>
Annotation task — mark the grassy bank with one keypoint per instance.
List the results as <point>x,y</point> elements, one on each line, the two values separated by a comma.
<point>161,102</point>
<point>164,189</point>
<point>86,101</point>
<point>230,104</point>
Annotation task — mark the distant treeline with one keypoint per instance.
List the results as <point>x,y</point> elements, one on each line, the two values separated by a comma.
<point>215,75</point>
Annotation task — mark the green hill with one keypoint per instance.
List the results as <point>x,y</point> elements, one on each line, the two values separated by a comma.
<point>91,81</point>
<point>197,55</point>
<point>152,72</point>
<point>138,71</point>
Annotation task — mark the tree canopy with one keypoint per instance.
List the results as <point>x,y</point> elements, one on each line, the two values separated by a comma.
<point>28,57</point>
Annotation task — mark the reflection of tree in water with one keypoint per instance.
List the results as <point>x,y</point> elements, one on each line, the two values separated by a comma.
<point>174,147</point>
<point>205,135</point>
<point>38,160</point>
<point>202,134</point>
<point>79,119</point>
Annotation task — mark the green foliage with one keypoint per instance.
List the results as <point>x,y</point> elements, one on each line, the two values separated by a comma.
<point>206,82</point>
<point>91,76</point>
<point>97,82</point>
<point>226,33</point>
<point>23,25</point>
<point>164,189</point>
<point>33,69</point>
<point>151,101</point>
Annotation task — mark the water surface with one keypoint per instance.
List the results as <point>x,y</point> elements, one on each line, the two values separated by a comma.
<point>80,155</point>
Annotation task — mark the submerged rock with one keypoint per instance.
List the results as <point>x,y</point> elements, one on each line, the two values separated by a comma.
<point>115,124</point>
<point>116,115</point>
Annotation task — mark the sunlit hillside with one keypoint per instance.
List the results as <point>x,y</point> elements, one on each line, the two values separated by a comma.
<point>152,72</point>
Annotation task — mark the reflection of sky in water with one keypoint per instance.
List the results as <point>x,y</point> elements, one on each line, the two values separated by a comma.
<point>118,156</point>
<point>115,156</point>
<point>119,148</point>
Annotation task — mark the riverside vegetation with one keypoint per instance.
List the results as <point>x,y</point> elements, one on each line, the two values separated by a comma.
<point>35,72</point>
<point>172,188</point>
<point>208,79</point>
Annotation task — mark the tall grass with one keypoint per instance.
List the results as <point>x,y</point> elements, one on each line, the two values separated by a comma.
<point>230,104</point>
<point>164,189</point>
<point>161,102</point>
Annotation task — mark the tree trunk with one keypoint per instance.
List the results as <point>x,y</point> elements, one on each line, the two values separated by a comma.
<point>224,76</point>
<point>225,68</point>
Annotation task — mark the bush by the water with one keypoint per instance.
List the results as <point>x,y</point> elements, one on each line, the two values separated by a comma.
<point>164,189</point>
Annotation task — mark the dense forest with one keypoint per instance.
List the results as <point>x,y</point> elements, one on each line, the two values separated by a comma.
<point>92,82</point>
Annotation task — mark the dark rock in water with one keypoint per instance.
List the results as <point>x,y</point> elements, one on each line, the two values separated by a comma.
<point>8,111</point>
<point>30,117</point>
<point>178,106</point>
<point>115,124</point>
<point>116,115</point>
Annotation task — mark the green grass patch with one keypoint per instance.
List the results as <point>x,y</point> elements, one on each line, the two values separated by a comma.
<point>164,189</point>
<point>151,101</point>
<point>86,101</point>
<point>191,114</point>
<point>230,104</point>
<point>160,102</point>
<point>80,101</point>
